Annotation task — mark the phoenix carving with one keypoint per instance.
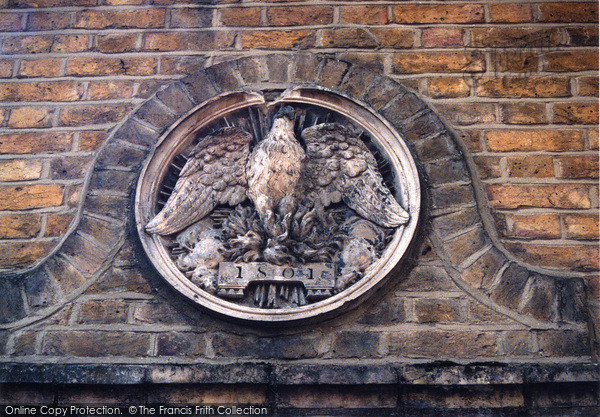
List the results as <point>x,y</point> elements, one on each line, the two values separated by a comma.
<point>280,177</point>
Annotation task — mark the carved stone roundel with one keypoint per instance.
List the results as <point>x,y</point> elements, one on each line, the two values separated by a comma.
<point>278,206</point>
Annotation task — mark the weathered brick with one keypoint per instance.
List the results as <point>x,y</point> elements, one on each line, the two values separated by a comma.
<point>584,166</point>
<point>539,299</point>
<point>109,206</point>
<point>438,13</point>
<point>391,37</point>
<point>558,196</point>
<point>563,343</point>
<point>523,113</point>
<point>435,62</point>
<point>24,343</point>
<point>71,43</point>
<point>92,114</point>
<point>427,278</point>
<point>534,140</point>
<point>575,113</point>
<point>48,21</point>
<point>58,223</point>
<point>68,278</point>
<point>299,15</point>
<point>535,226</point>
<point>191,18</point>
<point>23,225</point>
<point>368,60</point>
<point>441,37</point>
<point>482,272</point>
<point>130,279</point>
<point>10,22</point>
<point>572,61</point>
<point>455,399</point>
<point>116,154</point>
<point>572,298</point>
<point>524,87</point>
<point>583,36</point>
<point>364,15</point>
<point>6,68</point>
<point>105,19</point>
<point>110,90</point>
<point>181,344</point>
<point>116,42</point>
<point>278,39</point>
<point>480,313</point>
<point>209,393</point>
<point>510,13</point>
<point>69,168</point>
<point>111,66</point>
<point>30,196</point>
<point>517,343</point>
<point>20,169</point>
<point>466,114</point>
<point>442,344</point>
<point>21,117</point>
<point>593,138</point>
<point>156,313</point>
<point>525,166</point>
<point>85,255</point>
<point>331,73</point>
<point>446,171</point>
<point>519,61</point>
<point>181,64</point>
<point>438,311</point>
<point>176,97</point>
<point>91,140</point>
<point>581,226</point>
<point>356,344</point>
<point>343,397</point>
<point>45,67</point>
<point>512,283</point>
<point>27,44</point>
<point>38,142</point>
<point>19,255</point>
<point>506,36</point>
<point>387,311</point>
<point>445,87</point>
<point>240,16</point>
<point>136,133</point>
<point>106,233</point>
<point>466,244</point>
<point>579,258</point>
<point>347,38</point>
<point>43,91</point>
<point>435,147</point>
<point>192,41</point>
<point>281,347</point>
<point>569,12</point>
<point>96,344</point>
<point>587,86</point>
<point>488,166</point>
<point>454,222</point>
<point>103,312</point>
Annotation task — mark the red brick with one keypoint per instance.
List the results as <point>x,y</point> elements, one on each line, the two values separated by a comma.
<point>572,61</point>
<point>347,38</point>
<point>583,166</point>
<point>434,13</point>
<point>364,15</point>
<point>44,91</point>
<point>523,113</point>
<point>10,22</point>
<point>520,61</point>
<point>524,87</point>
<point>436,62</point>
<point>19,255</point>
<point>6,68</point>
<point>142,18</point>
<point>240,16</point>
<point>30,196</point>
<point>568,257</point>
<point>300,15</point>
<point>277,39</point>
<point>44,67</point>
<point>581,226</point>
<point>109,90</point>
<point>534,140</point>
<point>71,43</point>
<point>587,86</point>
<point>573,196</point>
<point>92,114</point>
<point>541,166</point>
<point>21,117</point>
<point>506,36</point>
<point>569,12</point>
<point>575,113</point>
<point>539,226</point>
<point>15,226</point>
<point>441,37</point>
<point>48,21</point>
<point>394,37</point>
<point>27,44</point>
<point>445,87</point>
<point>116,42</point>
<point>191,18</point>
<point>593,138</point>
<point>510,13</point>
<point>20,169</point>
<point>111,66</point>
<point>91,140</point>
<point>35,143</point>
<point>57,224</point>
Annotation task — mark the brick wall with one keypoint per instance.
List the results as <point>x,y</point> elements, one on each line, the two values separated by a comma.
<point>498,275</point>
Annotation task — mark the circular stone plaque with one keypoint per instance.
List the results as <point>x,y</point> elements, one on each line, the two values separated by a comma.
<point>278,206</point>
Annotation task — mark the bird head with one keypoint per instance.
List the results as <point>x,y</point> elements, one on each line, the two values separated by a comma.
<point>285,111</point>
<point>284,119</point>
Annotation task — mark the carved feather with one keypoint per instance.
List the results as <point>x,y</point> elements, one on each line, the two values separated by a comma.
<point>340,166</point>
<point>214,174</point>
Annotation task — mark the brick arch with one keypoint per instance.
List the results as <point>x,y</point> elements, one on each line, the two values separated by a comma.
<point>477,263</point>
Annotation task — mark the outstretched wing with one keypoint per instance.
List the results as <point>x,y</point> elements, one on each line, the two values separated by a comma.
<point>340,167</point>
<point>214,174</point>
